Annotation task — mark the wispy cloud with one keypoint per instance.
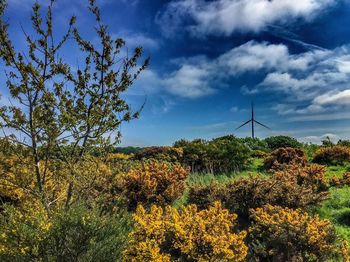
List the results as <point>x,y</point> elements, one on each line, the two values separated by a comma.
<point>223,17</point>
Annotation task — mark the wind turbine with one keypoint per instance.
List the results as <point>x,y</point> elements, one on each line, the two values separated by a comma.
<point>252,120</point>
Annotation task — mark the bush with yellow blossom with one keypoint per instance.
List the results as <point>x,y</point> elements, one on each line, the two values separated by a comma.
<point>283,234</point>
<point>153,182</point>
<point>186,235</point>
<point>78,234</point>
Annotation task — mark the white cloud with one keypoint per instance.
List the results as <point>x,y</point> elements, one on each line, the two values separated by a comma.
<point>318,139</point>
<point>331,98</point>
<point>138,39</point>
<point>223,17</point>
<point>300,77</point>
<point>189,81</point>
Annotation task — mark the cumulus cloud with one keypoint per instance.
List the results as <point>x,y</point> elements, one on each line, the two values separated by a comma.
<point>223,17</point>
<point>300,77</point>
<point>189,81</point>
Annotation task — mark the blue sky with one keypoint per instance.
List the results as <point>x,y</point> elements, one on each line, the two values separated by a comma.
<point>210,59</point>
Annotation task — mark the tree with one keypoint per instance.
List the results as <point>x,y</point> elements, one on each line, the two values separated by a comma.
<point>59,109</point>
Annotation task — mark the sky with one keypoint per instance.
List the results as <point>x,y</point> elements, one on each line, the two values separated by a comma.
<point>210,59</point>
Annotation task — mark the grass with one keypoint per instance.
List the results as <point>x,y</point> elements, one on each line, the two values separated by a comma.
<point>255,167</point>
<point>337,210</point>
<point>337,171</point>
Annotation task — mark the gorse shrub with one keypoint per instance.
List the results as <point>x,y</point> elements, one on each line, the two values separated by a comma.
<point>335,155</point>
<point>153,183</point>
<point>339,182</point>
<point>295,188</point>
<point>185,235</point>
<point>282,157</point>
<point>275,142</point>
<point>283,234</point>
<point>161,153</point>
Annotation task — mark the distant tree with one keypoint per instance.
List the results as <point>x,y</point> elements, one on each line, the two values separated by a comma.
<point>57,109</point>
<point>327,142</point>
<point>275,142</point>
<point>127,150</point>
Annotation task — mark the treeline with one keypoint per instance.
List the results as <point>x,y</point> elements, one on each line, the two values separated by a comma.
<point>219,155</point>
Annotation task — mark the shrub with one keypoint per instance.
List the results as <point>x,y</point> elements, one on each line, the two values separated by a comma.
<point>161,153</point>
<point>185,235</point>
<point>220,155</point>
<point>294,188</point>
<point>255,144</point>
<point>153,183</point>
<point>336,155</point>
<point>282,157</point>
<point>339,182</point>
<point>275,142</point>
<point>283,234</point>
<point>79,234</point>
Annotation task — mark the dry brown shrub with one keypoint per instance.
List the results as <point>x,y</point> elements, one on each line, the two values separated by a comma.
<point>283,157</point>
<point>335,155</point>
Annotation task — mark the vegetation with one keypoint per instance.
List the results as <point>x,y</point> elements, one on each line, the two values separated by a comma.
<point>282,157</point>
<point>68,194</point>
<point>335,155</point>
<point>275,142</point>
<point>185,235</point>
<point>285,234</point>
<point>220,155</point>
<point>153,183</point>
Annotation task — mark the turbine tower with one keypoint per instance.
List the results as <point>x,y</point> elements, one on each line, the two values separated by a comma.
<point>252,120</point>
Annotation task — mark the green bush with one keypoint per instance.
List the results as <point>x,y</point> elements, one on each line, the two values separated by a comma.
<point>79,234</point>
<point>255,144</point>
<point>275,142</point>
<point>220,155</point>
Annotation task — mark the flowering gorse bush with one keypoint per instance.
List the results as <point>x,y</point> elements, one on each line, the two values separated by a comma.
<point>335,155</point>
<point>153,182</point>
<point>160,153</point>
<point>186,235</point>
<point>297,187</point>
<point>283,234</point>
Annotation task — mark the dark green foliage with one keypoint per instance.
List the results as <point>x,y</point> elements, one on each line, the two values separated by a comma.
<point>81,234</point>
<point>255,144</point>
<point>344,142</point>
<point>220,155</point>
<point>127,150</point>
<point>275,142</point>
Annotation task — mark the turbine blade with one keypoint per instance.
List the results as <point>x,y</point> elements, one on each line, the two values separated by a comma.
<point>261,124</point>
<point>243,124</point>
